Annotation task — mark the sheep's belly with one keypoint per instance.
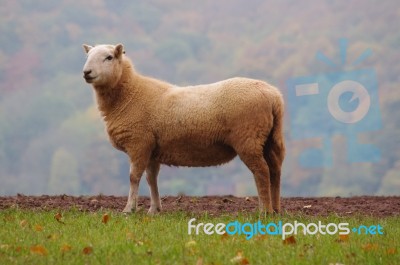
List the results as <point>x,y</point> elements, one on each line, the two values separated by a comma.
<point>194,155</point>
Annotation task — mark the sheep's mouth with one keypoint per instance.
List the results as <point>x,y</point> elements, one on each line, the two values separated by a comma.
<point>89,79</point>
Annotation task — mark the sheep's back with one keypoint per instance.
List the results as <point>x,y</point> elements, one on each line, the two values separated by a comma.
<point>208,113</point>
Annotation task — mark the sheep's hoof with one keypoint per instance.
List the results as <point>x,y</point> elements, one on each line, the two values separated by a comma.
<point>127,211</point>
<point>266,210</point>
<point>153,210</point>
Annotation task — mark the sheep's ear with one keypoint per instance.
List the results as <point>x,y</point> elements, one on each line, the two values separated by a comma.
<point>119,50</point>
<point>87,48</point>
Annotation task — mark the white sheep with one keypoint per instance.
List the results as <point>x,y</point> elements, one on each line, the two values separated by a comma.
<point>156,123</point>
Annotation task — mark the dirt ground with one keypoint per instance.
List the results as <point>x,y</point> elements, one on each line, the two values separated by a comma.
<point>214,205</point>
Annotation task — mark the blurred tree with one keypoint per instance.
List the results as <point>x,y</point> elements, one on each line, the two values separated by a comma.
<point>391,182</point>
<point>64,176</point>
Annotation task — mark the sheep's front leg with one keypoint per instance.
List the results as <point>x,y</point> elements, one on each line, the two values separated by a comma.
<point>151,175</point>
<point>135,175</point>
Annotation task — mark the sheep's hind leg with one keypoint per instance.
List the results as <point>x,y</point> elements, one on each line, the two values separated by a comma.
<point>135,175</point>
<point>274,162</point>
<point>151,175</point>
<point>274,153</point>
<point>259,167</point>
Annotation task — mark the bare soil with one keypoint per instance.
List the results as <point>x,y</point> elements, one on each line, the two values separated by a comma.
<point>214,205</point>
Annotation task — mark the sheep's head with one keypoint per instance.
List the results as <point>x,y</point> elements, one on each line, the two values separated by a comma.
<point>103,66</point>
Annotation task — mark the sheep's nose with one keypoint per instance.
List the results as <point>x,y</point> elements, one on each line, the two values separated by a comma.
<point>87,72</point>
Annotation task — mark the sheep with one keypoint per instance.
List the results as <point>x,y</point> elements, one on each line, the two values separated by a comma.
<point>156,123</point>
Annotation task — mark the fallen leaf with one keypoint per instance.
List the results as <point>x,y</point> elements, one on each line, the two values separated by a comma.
<point>240,259</point>
<point>23,223</point>
<point>8,218</point>
<point>191,247</point>
<point>391,251</point>
<point>190,244</point>
<point>351,255</point>
<point>38,228</point>
<point>52,237</point>
<point>105,218</point>
<point>224,236</point>
<point>199,261</point>
<point>4,246</point>
<point>139,243</point>
<point>369,247</point>
<point>289,241</point>
<point>343,238</point>
<point>39,249</point>
<point>65,248</point>
<point>87,250</point>
<point>58,217</point>
<point>261,237</point>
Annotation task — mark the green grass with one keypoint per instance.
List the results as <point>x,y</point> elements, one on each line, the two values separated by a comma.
<point>164,239</point>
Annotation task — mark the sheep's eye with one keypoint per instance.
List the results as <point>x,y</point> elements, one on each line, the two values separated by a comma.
<point>109,58</point>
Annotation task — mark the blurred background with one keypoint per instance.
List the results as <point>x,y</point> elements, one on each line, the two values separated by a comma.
<point>52,139</point>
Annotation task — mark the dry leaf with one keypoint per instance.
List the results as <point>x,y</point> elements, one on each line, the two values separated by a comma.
<point>224,236</point>
<point>105,218</point>
<point>87,250</point>
<point>139,243</point>
<point>8,218</point>
<point>52,237</point>
<point>289,241</point>
<point>38,228</point>
<point>58,217</point>
<point>391,251</point>
<point>369,247</point>
<point>191,247</point>
<point>39,249</point>
<point>190,244</point>
<point>343,238</point>
<point>261,237</point>
<point>240,259</point>
<point>4,246</point>
<point>65,248</point>
<point>199,261</point>
<point>23,223</point>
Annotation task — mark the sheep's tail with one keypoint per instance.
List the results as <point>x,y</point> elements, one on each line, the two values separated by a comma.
<point>274,147</point>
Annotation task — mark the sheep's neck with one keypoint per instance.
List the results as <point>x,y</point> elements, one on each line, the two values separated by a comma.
<point>109,101</point>
<point>113,99</point>
<point>130,89</point>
